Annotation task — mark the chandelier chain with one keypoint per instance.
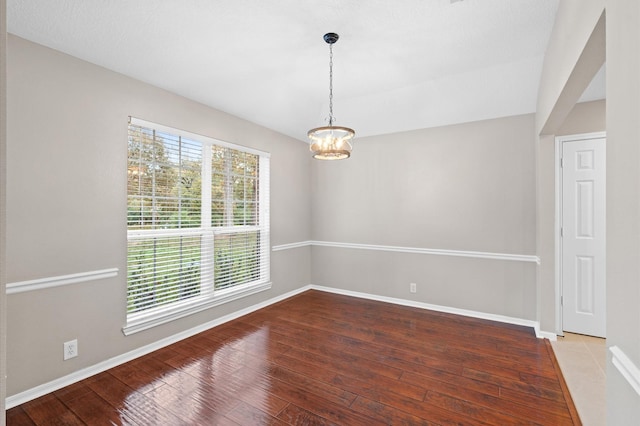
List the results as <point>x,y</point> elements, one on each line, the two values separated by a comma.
<point>330,84</point>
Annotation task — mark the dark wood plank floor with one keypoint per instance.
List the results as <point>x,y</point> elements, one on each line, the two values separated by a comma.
<point>324,359</point>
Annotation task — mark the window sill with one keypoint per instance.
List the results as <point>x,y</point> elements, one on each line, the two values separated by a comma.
<point>145,322</point>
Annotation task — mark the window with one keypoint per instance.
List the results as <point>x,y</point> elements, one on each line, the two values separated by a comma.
<point>197,223</point>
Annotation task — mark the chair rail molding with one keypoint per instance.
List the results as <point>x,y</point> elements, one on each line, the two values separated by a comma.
<point>60,280</point>
<point>418,250</point>
<point>626,367</point>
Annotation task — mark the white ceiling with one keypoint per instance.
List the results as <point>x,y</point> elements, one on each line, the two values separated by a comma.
<point>399,65</point>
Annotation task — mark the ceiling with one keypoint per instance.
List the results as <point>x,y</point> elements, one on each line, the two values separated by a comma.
<point>399,65</point>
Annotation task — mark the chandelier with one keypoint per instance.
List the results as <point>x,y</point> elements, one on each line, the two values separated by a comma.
<point>331,142</point>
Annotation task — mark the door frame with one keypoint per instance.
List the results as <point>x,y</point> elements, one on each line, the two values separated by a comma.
<point>559,140</point>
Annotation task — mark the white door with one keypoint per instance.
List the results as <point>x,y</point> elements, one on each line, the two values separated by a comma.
<point>583,236</point>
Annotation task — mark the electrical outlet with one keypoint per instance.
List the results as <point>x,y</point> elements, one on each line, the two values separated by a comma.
<point>412,287</point>
<point>70,349</point>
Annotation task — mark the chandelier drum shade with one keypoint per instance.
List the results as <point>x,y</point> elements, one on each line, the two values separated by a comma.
<point>331,142</point>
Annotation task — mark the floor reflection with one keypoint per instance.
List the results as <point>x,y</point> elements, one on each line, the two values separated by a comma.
<point>227,368</point>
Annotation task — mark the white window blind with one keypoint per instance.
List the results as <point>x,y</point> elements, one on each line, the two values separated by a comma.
<point>197,223</point>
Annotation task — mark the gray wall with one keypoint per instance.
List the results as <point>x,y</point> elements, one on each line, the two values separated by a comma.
<point>574,55</point>
<point>585,117</point>
<point>3,164</point>
<point>623,203</point>
<point>468,187</point>
<point>66,206</point>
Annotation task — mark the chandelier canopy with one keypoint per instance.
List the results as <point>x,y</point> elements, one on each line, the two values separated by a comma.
<point>331,142</point>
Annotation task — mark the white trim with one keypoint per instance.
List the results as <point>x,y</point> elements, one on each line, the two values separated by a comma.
<point>439,308</point>
<point>142,322</point>
<point>416,250</point>
<point>545,334</point>
<point>582,136</point>
<point>60,280</point>
<point>74,377</point>
<point>626,367</point>
<point>556,239</point>
<point>291,245</point>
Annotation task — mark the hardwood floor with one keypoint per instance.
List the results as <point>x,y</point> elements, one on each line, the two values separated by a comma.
<point>321,359</point>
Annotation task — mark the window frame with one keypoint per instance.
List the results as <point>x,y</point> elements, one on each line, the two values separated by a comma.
<point>209,296</point>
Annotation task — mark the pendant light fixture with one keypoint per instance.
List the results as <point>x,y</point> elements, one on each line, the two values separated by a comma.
<point>331,142</point>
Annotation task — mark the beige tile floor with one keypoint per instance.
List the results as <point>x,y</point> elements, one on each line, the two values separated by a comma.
<point>582,360</point>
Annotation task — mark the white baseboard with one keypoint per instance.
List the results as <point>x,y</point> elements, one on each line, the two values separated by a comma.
<point>439,308</point>
<point>84,373</point>
<point>546,334</point>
